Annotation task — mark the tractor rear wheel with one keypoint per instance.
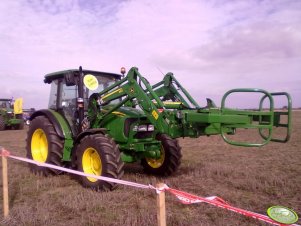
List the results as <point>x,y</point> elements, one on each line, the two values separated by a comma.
<point>2,123</point>
<point>44,145</point>
<point>169,161</point>
<point>99,155</point>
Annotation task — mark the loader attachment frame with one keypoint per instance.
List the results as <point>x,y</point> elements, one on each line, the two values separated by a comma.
<point>277,117</point>
<point>261,119</point>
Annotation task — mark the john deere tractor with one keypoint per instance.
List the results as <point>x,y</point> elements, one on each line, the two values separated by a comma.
<point>9,118</point>
<point>97,121</point>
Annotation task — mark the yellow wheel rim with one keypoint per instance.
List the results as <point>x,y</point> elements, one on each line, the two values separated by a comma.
<point>156,163</point>
<point>92,163</point>
<point>39,146</point>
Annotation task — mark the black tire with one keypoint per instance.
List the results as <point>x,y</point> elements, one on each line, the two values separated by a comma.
<point>44,145</point>
<point>21,126</point>
<point>106,161</point>
<point>2,123</point>
<point>170,158</point>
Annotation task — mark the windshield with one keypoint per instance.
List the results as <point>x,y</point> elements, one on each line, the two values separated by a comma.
<point>5,104</point>
<point>63,95</point>
<point>96,84</point>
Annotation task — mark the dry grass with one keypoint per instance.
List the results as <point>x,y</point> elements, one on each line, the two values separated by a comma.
<point>249,178</point>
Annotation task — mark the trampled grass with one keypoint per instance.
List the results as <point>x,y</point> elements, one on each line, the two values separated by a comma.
<point>249,178</point>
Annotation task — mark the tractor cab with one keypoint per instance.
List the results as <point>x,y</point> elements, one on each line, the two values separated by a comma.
<point>5,104</point>
<point>69,95</point>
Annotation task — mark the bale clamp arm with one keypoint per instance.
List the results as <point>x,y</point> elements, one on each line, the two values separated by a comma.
<point>261,119</point>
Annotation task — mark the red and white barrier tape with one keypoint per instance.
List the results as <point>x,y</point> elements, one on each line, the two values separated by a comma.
<point>184,197</point>
<point>117,181</point>
<point>187,198</point>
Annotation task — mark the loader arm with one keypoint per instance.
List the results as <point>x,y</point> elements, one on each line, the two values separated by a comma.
<point>131,92</point>
<point>173,111</point>
<point>170,88</point>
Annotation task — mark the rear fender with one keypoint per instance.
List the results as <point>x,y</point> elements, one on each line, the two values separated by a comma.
<point>61,127</point>
<point>49,114</point>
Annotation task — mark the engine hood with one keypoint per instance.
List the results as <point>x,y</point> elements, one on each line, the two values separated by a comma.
<point>128,112</point>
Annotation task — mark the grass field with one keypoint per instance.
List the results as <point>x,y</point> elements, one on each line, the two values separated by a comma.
<point>249,178</point>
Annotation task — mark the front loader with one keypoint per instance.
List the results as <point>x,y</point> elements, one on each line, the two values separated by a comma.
<point>98,121</point>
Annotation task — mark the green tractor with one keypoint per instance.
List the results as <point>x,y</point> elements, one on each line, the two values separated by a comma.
<point>97,121</point>
<point>9,118</point>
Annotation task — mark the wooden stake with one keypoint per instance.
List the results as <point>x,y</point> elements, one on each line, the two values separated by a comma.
<point>5,186</point>
<point>161,214</point>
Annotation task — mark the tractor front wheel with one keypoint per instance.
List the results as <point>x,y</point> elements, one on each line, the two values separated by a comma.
<point>169,160</point>
<point>98,155</point>
<point>44,145</point>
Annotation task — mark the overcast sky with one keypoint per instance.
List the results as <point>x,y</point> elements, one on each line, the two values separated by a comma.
<point>210,45</point>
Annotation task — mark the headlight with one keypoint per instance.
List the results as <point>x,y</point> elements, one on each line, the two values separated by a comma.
<point>135,128</point>
<point>150,128</point>
<point>143,128</point>
<point>179,114</point>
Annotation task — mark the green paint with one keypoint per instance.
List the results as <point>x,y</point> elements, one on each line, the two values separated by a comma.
<point>123,105</point>
<point>68,144</point>
<point>7,116</point>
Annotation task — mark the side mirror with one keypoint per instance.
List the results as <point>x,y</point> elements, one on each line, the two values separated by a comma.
<point>70,79</point>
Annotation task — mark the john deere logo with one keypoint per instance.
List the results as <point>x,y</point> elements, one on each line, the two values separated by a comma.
<point>282,214</point>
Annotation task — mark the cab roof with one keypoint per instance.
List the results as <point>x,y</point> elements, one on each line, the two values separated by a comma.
<point>60,74</point>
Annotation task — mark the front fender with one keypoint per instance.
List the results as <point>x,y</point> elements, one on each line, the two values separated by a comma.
<point>89,132</point>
